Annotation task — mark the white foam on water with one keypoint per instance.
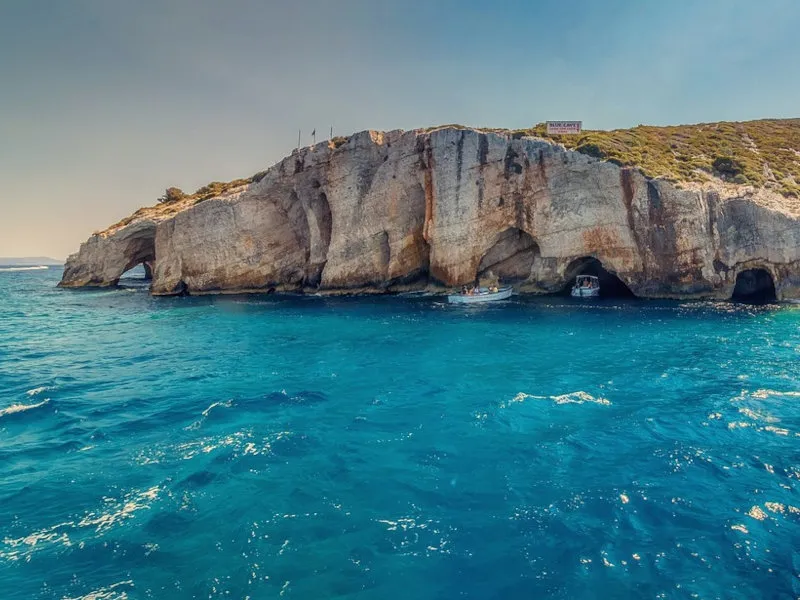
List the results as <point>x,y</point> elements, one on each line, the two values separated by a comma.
<point>418,536</point>
<point>23,547</point>
<point>764,394</point>
<point>119,510</point>
<point>224,404</point>
<point>579,397</point>
<point>204,415</point>
<point>114,512</point>
<point>739,527</point>
<point>36,391</point>
<point>241,443</point>
<point>106,593</point>
<point>18,408</point>
<point>776,430</point>
<point>10,269</point>
<point>758,416</point>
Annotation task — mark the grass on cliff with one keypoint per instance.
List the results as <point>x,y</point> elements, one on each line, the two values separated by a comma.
<point>174,198</point>
<point>762,153</point>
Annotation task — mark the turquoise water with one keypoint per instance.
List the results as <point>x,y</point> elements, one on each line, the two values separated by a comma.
<point>266,447</point>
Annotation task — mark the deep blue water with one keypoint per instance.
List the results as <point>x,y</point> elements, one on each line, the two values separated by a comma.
<point>265,447</point>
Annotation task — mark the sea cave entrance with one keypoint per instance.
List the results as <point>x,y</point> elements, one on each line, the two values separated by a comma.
<point>140,275</point>
<point>611,286</point>
<point>754,286</point>
<point>510,258</point>
<point>140,254</point>
<point>144,271</point>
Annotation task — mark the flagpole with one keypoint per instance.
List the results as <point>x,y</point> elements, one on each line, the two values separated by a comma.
<point>314,136</point>
<point>298,138</point>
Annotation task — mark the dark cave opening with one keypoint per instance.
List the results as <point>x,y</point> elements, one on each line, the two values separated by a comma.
<point>611,286</point>
<point>754,286</point>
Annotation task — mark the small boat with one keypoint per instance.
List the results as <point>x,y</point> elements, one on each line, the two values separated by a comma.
<point>484,295</point>
<point>586,286</point>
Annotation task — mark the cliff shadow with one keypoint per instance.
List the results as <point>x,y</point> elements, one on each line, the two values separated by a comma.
<point>320,223</point>
<point>754,286</point>
<point>510,258</point>
<point>611,286</point>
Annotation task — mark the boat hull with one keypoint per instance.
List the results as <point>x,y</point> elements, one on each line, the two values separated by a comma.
<point>502,294</point>
<point>585,292</point>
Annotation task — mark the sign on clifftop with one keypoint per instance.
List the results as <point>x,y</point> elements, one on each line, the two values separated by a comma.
<point>563,127</point>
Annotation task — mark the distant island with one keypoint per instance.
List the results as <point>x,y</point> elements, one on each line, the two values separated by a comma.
<point>692,211</point>
<point>30,261</point>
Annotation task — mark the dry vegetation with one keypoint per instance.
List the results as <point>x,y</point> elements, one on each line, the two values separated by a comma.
<point>760,153</point>
<point>174,199</point>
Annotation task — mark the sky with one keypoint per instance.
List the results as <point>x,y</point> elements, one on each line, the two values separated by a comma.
<point>104,104</point>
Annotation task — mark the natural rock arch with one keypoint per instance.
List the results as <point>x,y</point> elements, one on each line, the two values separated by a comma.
<point>137,274</point>
<point>139,249</point>
<point>511,257</point>
<point>754,286</point>
<point>610,284</point>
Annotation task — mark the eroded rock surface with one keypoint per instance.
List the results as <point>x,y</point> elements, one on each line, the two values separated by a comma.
<point>410,210</point>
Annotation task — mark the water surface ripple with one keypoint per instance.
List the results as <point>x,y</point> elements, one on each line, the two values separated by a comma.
<point>267,447</point>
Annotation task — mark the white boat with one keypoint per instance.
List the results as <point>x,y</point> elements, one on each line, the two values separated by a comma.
<point>586,286</point>
<point>484,295</point>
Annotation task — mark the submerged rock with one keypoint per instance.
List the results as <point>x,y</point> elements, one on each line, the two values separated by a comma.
<point>401,211</point>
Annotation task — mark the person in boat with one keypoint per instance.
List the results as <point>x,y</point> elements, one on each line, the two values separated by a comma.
<point>476,290</point>
<point>464,290</point>
<point>493,289</point>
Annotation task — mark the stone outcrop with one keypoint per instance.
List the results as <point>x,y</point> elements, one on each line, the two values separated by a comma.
<point>430,209</point>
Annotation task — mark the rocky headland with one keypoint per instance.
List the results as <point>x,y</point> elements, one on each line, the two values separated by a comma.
<point>702,211</point>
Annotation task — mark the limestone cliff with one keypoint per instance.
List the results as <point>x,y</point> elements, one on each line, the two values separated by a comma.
<point>412,210</point>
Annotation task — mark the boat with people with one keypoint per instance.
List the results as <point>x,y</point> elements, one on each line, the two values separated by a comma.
<point>586,286</point>
<point>477,295</point>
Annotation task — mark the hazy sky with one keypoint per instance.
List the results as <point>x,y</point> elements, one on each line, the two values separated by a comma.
<point>104,103</point>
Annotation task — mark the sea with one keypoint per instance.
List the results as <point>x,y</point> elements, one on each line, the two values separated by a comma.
<point>394,447</point>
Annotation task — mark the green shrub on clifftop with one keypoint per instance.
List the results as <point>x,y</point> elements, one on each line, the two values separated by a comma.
<point>172,194</point>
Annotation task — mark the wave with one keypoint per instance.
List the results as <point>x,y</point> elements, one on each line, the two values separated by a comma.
<point>225,404</point>
<point>112,514</point>
<point>37,268</point>
<point>763,394</point>
<point>106,593</point>
<point>18,408</point>
<point>204,415</point>
<point>579,397</point>
<point>36,391</point>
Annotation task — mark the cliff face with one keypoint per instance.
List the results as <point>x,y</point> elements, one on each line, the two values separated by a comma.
<point>408,210</point>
